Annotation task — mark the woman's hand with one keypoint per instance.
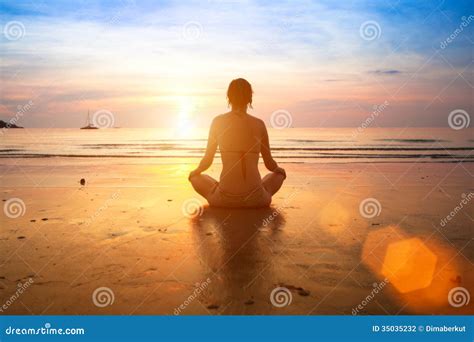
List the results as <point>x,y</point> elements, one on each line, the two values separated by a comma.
<point>194,173</point>
<point>280,171</point>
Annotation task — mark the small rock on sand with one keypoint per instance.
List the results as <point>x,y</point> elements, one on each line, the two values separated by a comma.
<point>44,219</point>
<point>21,237</point>
<point>213,306</point>
<point>303,292</point>
<point>82,181</point>
<point>249,302</point>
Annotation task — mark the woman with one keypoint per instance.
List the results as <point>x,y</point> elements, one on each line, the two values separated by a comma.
<point>240,138</point>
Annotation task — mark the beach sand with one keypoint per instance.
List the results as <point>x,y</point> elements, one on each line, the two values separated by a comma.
<point>130,229</point>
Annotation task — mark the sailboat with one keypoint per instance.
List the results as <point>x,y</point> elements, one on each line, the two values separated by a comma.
<point>89,124</point>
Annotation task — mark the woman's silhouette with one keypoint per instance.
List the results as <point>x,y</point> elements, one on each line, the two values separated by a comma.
<point>240,138</point>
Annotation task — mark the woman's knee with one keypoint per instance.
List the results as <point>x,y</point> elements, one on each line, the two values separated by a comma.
<point>199,181</point>
<point>194,178</point>
<point>273,182</point>
<point>199,178</point>
<point>279,176</point>
<point>202,183</point>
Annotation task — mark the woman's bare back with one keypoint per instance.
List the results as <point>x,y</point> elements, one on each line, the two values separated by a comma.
<point>239,137</point>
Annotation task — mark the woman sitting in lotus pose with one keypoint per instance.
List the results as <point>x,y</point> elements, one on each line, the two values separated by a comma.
<point>241,139</point>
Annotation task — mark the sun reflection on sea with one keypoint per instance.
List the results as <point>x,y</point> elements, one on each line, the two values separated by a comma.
<point>185,125</point>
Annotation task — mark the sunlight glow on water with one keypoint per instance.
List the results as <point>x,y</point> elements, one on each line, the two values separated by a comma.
<point>186,142</point>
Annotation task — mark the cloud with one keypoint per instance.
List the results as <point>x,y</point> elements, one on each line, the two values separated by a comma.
<point>385,72</point>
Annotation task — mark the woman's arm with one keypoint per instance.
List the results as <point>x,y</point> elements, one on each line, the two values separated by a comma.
<point>211,148</point>
<point>270,163</point>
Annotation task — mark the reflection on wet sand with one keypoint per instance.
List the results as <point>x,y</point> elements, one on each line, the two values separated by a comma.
<point>236,247</point>
<point>154,258</point>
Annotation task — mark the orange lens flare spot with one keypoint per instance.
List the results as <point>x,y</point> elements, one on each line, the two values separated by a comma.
<point>375,246</point>
<point>409,265</point>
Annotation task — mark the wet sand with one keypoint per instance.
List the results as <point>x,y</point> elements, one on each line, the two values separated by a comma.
<point>132,229</point>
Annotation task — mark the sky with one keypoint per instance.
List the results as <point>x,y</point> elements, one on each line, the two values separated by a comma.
<point>168,63</point>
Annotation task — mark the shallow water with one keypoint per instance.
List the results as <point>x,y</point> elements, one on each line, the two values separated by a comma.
<point>304,145</point>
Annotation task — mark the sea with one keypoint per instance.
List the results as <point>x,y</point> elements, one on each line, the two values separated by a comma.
<point>289,145</point>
